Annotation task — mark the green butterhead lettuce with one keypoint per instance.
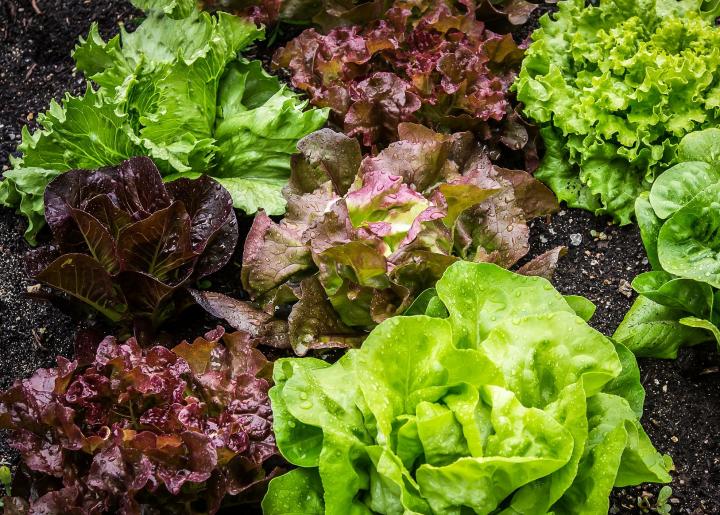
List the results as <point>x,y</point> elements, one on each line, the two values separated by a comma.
<point>511,404</point>
<point>174,90</point>
<point>615,88</point>
<point>680,226</point>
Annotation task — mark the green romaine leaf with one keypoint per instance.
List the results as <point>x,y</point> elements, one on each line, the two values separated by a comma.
<point>649,224</point>
<point>612,426</point>
<point>701,146</point>
<point>683,249</point>
<point>478,298</point>
<point>427,303</point>
<point>583,307</point>
<point>702,324</point>
<point>299,493</point>
<point>679,185</point>
<point>628,385</point>
<point>683,294</point>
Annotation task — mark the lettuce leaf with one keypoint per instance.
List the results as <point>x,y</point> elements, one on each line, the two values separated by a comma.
<point>329,14</point>
<point>173,90</point>
<point>680,223</point>
<point>615,87</point>
<point>511,404</point>
<point>126,244</point>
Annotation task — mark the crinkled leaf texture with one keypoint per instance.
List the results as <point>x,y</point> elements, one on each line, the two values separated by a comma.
<point>511,404</point>
<point>143,431</point>
<point>615,88</point>
<point>363,237</point>
<point>176,91</point>
<point>680,226</point>
<point>428,62</point>
<point>126,244</point>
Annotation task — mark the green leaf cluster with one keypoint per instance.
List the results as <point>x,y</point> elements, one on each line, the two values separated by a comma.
<point>174,90</point>
<point>679,302</point>
<point>615,88</point>
<point>510,404</point>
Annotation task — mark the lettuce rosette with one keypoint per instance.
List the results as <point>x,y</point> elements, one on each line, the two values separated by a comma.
<point>510,404</point>
<point>364,237</point>
<point>615,87</point>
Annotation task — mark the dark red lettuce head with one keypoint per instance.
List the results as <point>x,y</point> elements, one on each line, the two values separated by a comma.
<point>143,430</point>
<point>432,62</point>
<point>125,243</point>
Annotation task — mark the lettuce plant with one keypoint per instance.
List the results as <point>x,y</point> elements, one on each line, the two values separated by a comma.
<point>679,302</point>
<point>428,62</point>
<point>511,404</point>
<point>173,90</point>
<point>329,14</point>
<point>126,244</point>
<point>369,235</point>
<point>615,87</point>
<point>142,431</point>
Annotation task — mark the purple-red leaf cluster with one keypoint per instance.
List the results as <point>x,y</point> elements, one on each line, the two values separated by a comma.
<point>125,242</point>
<point>329,14</point>
<point>362,238</point>
<point>431,62</point>
<point>142,430</point>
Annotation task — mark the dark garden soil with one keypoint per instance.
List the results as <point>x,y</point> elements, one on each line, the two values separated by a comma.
<point>682,410</point>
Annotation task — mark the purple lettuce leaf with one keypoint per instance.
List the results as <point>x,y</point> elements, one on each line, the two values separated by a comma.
<point>126,244</point>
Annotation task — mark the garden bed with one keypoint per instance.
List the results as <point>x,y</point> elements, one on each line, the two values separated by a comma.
<point>682,409</point>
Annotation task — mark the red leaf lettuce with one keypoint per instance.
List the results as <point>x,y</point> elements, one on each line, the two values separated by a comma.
<point>142,431</point>
<point>329,14</point>
<point>431,62</point>
<point>363,237</point>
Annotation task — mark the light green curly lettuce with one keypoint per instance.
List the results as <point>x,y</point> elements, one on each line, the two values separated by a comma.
<point>512,404</point>
<point>679,302</point>
<point>614,88</point>
<point>174,90</point>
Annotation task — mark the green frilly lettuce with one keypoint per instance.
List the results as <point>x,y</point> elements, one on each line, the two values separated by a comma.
<point>511,404</point>
<point>615,88</point>
<point>679,302</point>
<point>174,90</point>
